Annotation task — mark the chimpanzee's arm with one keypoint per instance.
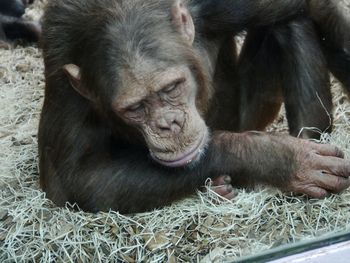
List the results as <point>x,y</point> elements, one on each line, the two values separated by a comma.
<point>129,181</point>
<point>282,161</point>
<point>226,16</point>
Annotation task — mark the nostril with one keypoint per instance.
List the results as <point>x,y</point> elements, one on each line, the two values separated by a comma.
<point>172,127</point>
<point>164,129</point>
<point>175,128</point>
<point>170,122</point>
<point>163,125</point>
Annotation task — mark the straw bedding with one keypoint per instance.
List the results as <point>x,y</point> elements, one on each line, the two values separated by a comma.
<point>202,228</point>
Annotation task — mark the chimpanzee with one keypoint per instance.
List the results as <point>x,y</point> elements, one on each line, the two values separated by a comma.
<point>145,100</point>
<point>12,26</point>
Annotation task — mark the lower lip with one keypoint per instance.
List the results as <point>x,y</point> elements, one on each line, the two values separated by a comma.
<point>183,161</point>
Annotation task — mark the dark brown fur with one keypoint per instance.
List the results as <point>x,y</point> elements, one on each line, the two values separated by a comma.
<point>333,25</point>
<point>91,154</point>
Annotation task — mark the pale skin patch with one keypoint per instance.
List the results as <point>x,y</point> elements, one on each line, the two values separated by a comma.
<point>148,83</point>
<point>164,110</point>
<point>161,104</point>
<point>74,75</point>
<point>182,20</point>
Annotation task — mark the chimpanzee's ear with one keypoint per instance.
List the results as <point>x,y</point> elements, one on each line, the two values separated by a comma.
<point>73,73</point>
<point>183,21</point>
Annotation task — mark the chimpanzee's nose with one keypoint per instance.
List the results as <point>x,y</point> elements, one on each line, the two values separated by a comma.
<point>170,122</point>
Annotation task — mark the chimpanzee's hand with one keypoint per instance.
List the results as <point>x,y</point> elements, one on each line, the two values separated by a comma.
<point>222,186</point>
<point>320,169</point>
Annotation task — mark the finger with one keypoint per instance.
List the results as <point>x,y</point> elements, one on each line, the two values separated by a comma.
<point>230,196</point>
<point>327,150</point>
<point>223,190</point>
<point>315,192</point>
<point>222,180</point>
<point>333,165</point>
<point>331,182</point>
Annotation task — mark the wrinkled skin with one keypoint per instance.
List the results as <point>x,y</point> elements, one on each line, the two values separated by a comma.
<point>322,170</point>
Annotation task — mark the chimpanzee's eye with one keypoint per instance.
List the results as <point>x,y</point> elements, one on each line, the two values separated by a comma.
<point>170,88</point>
<point>173,90</point>
<point>135,107</point>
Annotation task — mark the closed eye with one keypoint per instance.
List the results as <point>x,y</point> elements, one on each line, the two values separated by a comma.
<point>135,107</point>
<point>173,90</point>
<point>170,88</point>
<point>135,112</point>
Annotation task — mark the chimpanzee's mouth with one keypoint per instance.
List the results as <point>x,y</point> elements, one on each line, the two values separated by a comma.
<point>185,159</point>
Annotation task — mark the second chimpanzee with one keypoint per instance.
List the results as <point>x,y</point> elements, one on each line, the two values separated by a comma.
<point>141,102</point>
<point>287,61</point>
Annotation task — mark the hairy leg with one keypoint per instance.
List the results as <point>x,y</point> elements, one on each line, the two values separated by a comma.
<point>333,24</point>
<point>260,84</point>
<point>224,108</point>
<point>305,77</point>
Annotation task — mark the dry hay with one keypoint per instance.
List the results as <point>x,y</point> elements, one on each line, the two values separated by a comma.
<point>198,229</point>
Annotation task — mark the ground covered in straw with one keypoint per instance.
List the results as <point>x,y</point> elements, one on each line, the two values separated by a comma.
<point>198,229</point>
